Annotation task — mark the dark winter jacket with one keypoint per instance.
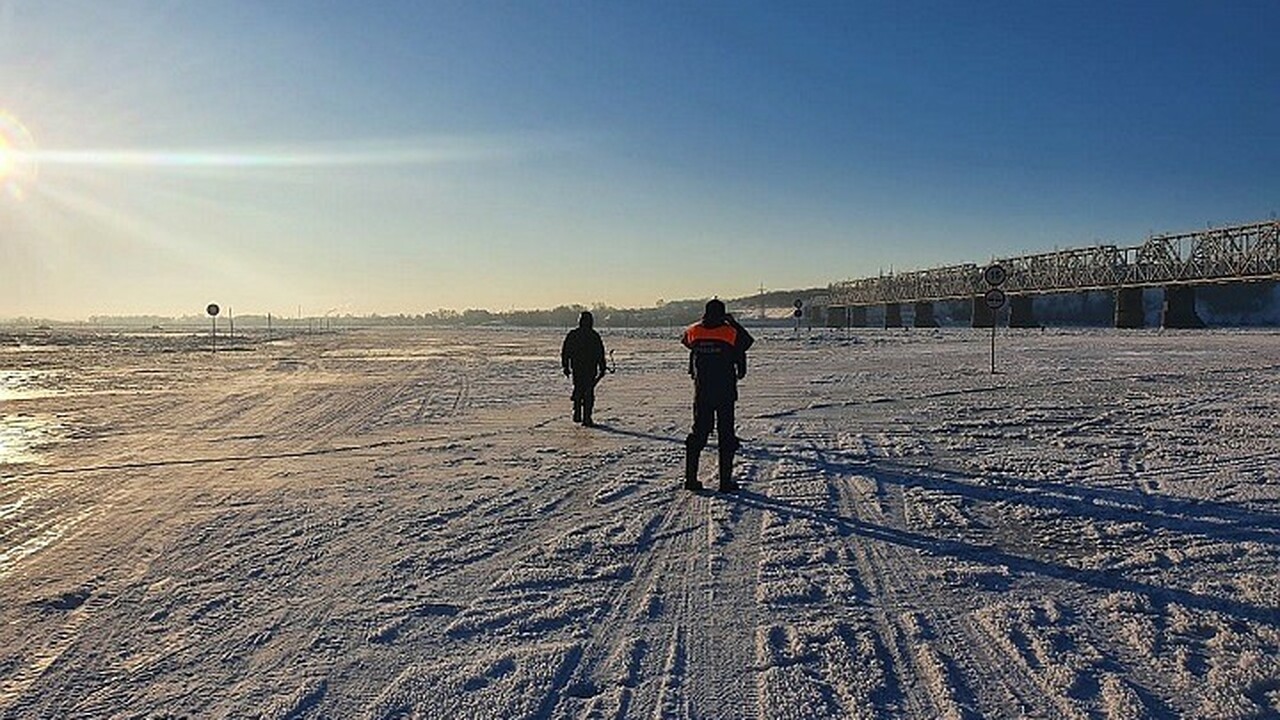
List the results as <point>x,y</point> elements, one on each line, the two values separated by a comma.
<point>717,358</point>
<point>583,350</point>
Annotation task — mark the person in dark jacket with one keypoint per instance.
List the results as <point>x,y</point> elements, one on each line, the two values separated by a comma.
<point>717,361</point>
<point>582,356</point>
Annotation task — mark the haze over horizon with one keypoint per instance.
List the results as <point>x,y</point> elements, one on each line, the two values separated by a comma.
<point>156,156</point>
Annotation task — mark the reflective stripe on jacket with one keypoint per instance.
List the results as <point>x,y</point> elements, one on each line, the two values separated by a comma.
<point>700,333</point>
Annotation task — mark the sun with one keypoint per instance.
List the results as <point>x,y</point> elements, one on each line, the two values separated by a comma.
<point>8,163</point>
<point>17,156</point>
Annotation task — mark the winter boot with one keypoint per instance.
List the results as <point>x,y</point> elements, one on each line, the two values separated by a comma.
<point>691,470</point>
<point>727,483</point>
<point>587,407</point>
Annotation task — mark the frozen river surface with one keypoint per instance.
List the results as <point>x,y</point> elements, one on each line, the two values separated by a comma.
<point>390,524</point>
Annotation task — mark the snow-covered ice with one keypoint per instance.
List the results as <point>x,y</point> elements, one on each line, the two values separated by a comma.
<point>405,523</point>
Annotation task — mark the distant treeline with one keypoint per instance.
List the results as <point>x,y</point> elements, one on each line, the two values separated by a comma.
<point>664,314</point>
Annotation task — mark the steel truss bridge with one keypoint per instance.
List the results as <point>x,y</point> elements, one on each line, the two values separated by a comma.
<point>1240,253</point>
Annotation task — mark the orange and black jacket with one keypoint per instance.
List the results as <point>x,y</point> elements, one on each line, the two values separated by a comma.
<point>717,359</point>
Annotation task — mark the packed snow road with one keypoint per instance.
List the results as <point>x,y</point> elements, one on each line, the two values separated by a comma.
<point>390,524</point>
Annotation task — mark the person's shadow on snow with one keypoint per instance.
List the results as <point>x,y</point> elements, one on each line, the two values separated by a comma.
<point>1214,520</point>
<point>1217,521</point>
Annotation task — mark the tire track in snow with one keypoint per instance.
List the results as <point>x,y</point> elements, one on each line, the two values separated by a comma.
<point>236,458</point>
<point>928,669</point>
<point>722,612</point>
<point>635,648</point>
<point>890,578</point>
<point>709,667</point>
<point>804,659</point>
<point>560,579</point>
<point>969,660</point>
<point>940,666</point>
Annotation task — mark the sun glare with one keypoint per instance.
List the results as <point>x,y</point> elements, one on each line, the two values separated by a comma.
<point>17,156</point>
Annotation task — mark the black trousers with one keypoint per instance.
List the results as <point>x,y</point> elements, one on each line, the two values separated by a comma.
<point>707,416</point>
<point>584,394</point>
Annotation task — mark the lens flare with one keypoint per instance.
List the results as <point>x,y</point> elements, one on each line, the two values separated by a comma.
<point>17,156</point>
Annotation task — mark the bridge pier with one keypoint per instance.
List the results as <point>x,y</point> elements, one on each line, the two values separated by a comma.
<point>837,316</point>
<point>983,316</point>
<point>893,315</point>
<point>1021,312</point>
<point>1129,311</point>
<point>857,316</point>
<point>1180,308</point>
<point>924,317</point>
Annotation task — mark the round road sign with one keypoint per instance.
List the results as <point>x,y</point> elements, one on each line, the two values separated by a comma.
<point>994,275</point>
<point>798,303</point>
<point>798,312</point>
<point>212,309</point>
<point>994,298</point>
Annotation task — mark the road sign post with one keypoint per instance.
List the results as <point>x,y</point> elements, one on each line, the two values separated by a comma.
<point>995,299</point>
<point>213,309</point>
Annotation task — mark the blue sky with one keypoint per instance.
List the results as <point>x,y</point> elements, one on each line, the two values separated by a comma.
<point>406,156</point>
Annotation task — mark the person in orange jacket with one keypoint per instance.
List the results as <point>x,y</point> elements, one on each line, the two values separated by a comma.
<point>717,361</point>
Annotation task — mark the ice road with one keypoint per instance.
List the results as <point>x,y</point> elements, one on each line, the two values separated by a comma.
<point>387,524</point>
